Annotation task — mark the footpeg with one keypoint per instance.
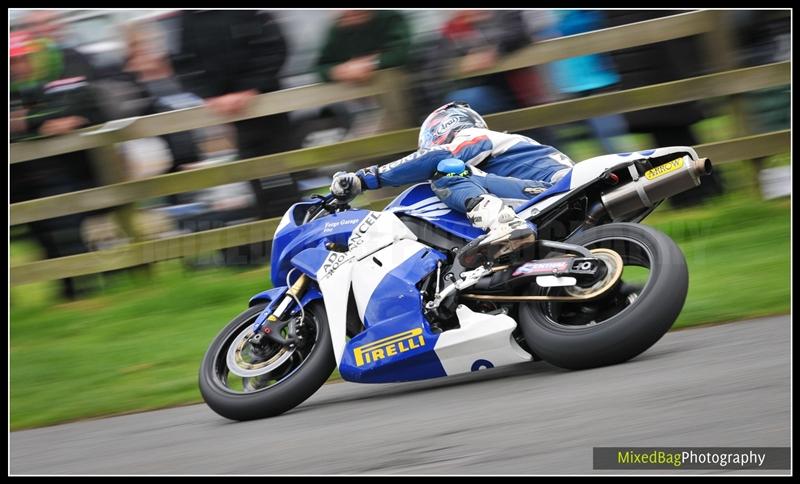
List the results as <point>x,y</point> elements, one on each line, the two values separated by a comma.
<point>467,279</point>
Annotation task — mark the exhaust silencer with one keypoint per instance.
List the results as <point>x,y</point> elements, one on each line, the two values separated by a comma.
<point>658,183</point>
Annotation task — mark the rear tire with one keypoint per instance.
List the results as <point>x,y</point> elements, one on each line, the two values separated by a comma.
<point>300,384</point>
<point>636,326</point>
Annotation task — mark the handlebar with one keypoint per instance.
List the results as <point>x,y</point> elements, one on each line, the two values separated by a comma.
<point>333,203</point>
<point>330,197</point>
<point>329,203</point>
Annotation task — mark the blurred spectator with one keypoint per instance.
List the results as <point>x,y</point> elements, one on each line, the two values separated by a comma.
<point>228,57</point>
<point>428,74</point>
<point>476,40</point>
<point>22,82</point>
<point>48,98</point>
<point>588,75</point>
<point>653,64</point>
<point>361,42</point>
<point>764,36</point>
<point>357,44</point>
<point>155,87</point>
<point>45,24</point>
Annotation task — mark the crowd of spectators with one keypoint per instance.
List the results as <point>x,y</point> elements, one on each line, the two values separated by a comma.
<point>225,59</point>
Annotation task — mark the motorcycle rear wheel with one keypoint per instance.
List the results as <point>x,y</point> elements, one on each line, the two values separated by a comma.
<point>624,322</point>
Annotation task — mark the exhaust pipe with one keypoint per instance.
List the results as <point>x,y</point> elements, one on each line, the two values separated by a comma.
<point>661,182</point>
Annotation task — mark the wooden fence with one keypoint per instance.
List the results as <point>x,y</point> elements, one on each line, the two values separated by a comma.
<point>389,86</point>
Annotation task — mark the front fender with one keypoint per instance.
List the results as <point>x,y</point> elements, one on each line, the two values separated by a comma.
<point>308,262</point>
<point>267,296</point>
<point>275,294</point>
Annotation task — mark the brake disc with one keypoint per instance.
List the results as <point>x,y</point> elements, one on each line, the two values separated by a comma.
<point>238,366</point>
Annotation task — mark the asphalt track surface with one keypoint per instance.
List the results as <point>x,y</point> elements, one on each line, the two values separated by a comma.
<point>725,385</point>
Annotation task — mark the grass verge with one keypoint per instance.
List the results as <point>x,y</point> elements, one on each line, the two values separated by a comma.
<point>138,345</point>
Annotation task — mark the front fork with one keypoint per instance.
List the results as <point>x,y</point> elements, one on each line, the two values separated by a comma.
<point>275,325</point>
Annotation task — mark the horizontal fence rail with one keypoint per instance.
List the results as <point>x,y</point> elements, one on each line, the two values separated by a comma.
<point>203,242</point>
<point>605,40</point>
<point>389,85</point>
<point>624,36</point>
<point>128,129</point>
<point>702,87</point>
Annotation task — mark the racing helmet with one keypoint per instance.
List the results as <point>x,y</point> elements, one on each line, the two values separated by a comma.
<point>442,125</point>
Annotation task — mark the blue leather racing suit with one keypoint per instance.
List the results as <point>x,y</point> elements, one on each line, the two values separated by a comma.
<point>510,166</point>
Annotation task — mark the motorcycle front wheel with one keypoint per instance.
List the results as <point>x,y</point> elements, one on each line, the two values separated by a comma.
<point>625,321</point>
<point>241,380</point>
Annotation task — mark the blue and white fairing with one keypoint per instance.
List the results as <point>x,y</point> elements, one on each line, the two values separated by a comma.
<point>291,238</point>
<point>588,172</point>
<point>384,266</point>
<point>302,246</point>
<point>397,342</point>
<point>419,201</point>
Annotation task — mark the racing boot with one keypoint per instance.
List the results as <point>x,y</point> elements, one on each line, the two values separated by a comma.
<point>507,232</point>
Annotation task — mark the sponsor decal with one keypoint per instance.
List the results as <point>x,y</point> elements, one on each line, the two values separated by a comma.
<point>391,166</point>
<point>389,346</point>
<point>334,261</point>
<point>412,157</point>
<point>543,267</point>
<point>481,364</point>
<point>357,237</point>
<point>533,190</point>
<point>330,226</point>
<point>448,123</point>
<point>660,170</point>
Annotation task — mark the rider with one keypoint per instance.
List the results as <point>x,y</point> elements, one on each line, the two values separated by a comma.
<point>473,170</point>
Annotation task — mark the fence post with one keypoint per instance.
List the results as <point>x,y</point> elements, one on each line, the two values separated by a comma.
<point>721,56</point>
<point>394,100</point>
<point>110,167</point>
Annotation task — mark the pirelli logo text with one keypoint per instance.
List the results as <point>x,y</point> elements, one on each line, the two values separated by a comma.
<point>389,346</point>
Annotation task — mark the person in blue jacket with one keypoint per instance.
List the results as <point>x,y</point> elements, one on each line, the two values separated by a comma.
<point>588,75</point>
<point>473,170</point>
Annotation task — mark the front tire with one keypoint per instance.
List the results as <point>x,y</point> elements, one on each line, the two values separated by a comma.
<point>294,385</point>
<point>623,323</point>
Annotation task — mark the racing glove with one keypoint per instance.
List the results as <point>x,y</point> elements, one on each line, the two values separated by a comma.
<point>345,184</point>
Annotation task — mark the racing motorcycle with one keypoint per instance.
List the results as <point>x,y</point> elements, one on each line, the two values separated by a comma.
<point>382,296</point>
